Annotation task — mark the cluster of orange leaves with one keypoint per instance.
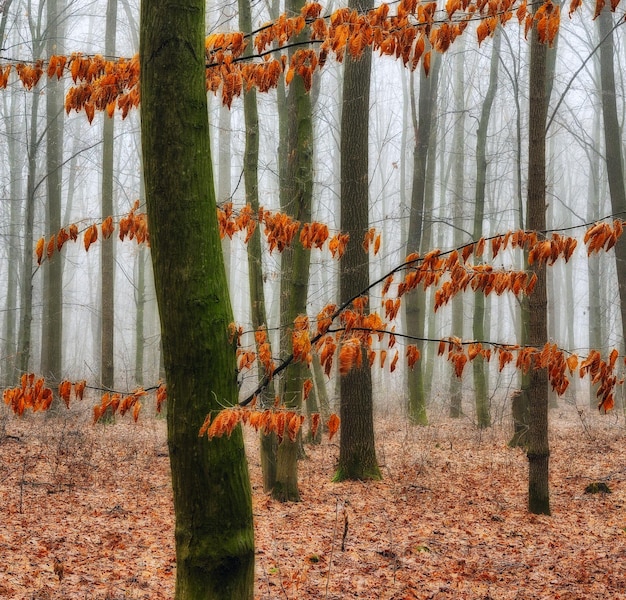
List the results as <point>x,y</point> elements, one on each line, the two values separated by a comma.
<point>431,268</point>
<point>410,34</point>
<point>32,393</point>
<point>116,403</point>
<point>558,364</point>
<point>282,422</point>
<point>100,84</point>
<point>357,329</point>
<point>281,230</point>
<point>133,226</point>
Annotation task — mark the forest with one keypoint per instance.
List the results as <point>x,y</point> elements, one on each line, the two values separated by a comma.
<point>315,301</point>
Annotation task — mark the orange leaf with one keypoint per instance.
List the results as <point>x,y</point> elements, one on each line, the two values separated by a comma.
<point>314,419</point>
<point>392,367</point>
<point>294,426</point>
<point>107,228</point>
<point>90,236</point>
<point>62,237</point>
<point>39,249</point>
<point>333,426</point>
<point>161,396</point>
<point>306,389</point>
<point>413,355</point>
<point>205,425</point>
<point>79,389</point>
<point>572,362</point>
<point>65,388</point>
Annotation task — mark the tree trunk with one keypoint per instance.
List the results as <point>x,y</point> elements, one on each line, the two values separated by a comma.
<point>297,190</point>
<point>26,290</point>
<point>357,451</point>
<point>107,258</point>
<point>52,320</point>
<point>481,384</point>
<point>415,302</point>
<point>140,301</point>
<point>258,313</point>
<point>10,375</point>
<point>537,448</point>
<point>613,148</point>
<point>458,164</point>
<point>212,496</point>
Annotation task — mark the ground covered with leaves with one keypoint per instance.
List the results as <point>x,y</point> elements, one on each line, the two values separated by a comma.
<point>86,513</point>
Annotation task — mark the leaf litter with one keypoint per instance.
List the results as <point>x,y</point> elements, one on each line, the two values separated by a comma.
<point>87,513</point>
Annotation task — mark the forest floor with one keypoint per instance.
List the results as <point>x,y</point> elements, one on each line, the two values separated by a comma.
<point>449,519</point>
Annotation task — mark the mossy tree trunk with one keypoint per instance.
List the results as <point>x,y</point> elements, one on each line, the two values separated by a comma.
<point>258,313</point>
<point>422,117</point>
<point>357,451</point>
<point>296,200</point>
<point>212,497</point>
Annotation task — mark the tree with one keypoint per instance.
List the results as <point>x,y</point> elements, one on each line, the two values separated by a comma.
<point>423,116</point>
<point>52,334</point>
<point>458,163</point>
<point>613,146</point>
<point>298,196</point>
<point>258,311</point>
<point>481,383</point>
<point>212,497</point>
<point>536,319</point>
<point>357,452</point>
<point>107,258</point>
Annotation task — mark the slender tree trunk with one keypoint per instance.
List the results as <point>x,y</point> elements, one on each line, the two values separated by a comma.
<point>481,384</point>
<point>297,189</point>
<point>357,451</point>
<point>258,313</point>
<point>26,290</point>
<point>613,148</point>
<point>140,301</point>
<point>224,173</point>
<point>593,261</point>
<point>427,242</point>
<point>415,302</point>
<point>52,320</point>
<point>10,375</point>
<point>212,496</point>
<point>458,163</point>
<point>538,450</point>
<point>107,258</point>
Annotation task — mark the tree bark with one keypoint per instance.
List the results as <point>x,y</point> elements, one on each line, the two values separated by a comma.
<point>458,165</point>
<point>357,450</point>
<point>212,496</point>
<point>258,312</point>
<point>297,196</point>
<point>538,450</point>
<point>481,383</point>
<point>415,302</point>
<point>613,148</point>
<point>52,319</point>
<point>107,258</point>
